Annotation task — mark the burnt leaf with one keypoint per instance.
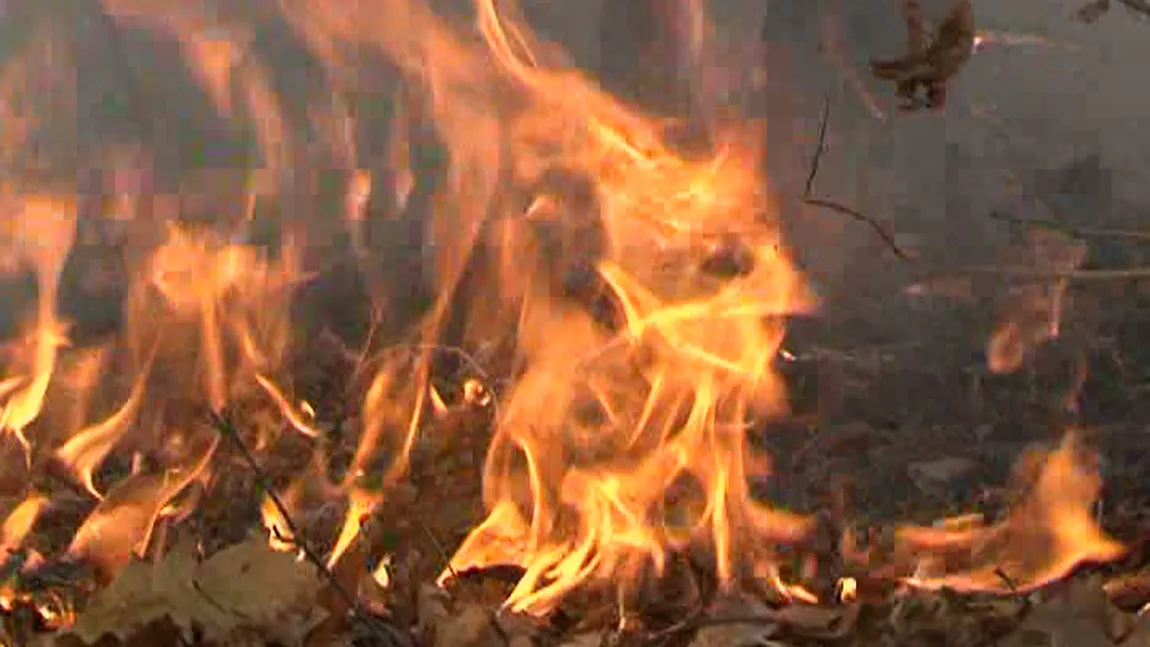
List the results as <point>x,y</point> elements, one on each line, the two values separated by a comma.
<point>931,61</point>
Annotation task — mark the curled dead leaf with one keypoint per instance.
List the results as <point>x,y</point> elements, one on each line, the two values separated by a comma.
<point>930,60</point>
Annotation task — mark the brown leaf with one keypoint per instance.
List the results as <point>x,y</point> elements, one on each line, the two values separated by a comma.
<point>142,594</point>
<point>930,65</point>
<point>1092,11</point>
<point>1080,616</point>
<point>260,588</point>
<point>243,591</point>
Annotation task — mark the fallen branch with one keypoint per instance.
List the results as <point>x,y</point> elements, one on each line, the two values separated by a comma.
<point>385,632</point>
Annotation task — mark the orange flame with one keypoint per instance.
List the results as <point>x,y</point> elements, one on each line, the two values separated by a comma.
<point>1050,532</point>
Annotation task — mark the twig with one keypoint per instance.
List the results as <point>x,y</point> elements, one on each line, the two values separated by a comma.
<point>820,149</point>
<point>438,548</point>
<point>1039,274</point>
<point>1076,232</point>
<point>382,631</point>
<point>1013,588</point>
<point>837,207</point>
<point>882,233</point>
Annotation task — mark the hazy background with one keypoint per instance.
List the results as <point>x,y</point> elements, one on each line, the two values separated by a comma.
<point>1018,115</point>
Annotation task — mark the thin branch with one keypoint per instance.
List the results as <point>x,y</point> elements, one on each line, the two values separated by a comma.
<point>1013,588</point>
<point>438,548</point>
<point>837,207</point>
<point>1076,232</point>
<point>383,631</point>
<point>821,148</point>
<point>1040,274</point>
<point>875,226</point>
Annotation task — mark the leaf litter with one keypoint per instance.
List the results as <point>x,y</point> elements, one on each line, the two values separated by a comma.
<point>245,591</point>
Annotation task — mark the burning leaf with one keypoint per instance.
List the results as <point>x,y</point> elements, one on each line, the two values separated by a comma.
<point>247,588</point>
<point>122,524</point>
<point>930,62</point>
<point>1045,536</point>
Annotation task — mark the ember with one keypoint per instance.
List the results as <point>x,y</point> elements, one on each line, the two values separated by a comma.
<point>581,395</point>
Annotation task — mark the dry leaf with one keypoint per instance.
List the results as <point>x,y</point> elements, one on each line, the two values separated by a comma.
<point>243,592</point>
<point>738,635</point>
<point>471,626</point>
<point>260,588</point>
<point>1080,617</point>
<point>143,593</point>
<point>930,62</point>
<point>1092,11</point>
<point>588,639</point>
<point>818,622</point>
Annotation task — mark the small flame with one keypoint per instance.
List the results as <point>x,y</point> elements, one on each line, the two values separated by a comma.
<point>1033,314</point>
<point>358,506</point>
<point>382,573</point>
<point>279,530</point>
<point>86,449</point>
<point>20,521</point>
<point>121,525</point>
<point>1050,532</point>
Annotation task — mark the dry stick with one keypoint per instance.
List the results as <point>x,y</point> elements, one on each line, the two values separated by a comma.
<point>382,631</point>
<point>1013,588</point>
<point>821,147</point>
<point>1076,232</point>
<point>1040,274</point>
<point>835,206</point>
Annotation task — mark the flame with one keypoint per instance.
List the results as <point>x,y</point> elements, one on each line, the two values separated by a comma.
<point>1051,531</point>
<point>122,524</point>
<point>20,521</point>
<point>279,529</point>
<point>38,232</point>
<point>359,506</point>
<point>1033,314</point>
<point>87,448</point>
<point>629,268</point>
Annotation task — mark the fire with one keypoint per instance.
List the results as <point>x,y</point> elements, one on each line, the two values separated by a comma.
<point>632,266</point>
<point>1044,537</point>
